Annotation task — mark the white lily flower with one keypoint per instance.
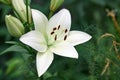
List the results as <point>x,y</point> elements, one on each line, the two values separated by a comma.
<point>53,36</point>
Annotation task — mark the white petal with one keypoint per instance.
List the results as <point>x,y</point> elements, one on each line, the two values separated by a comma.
<point>62,18</point>
<point>40,20</point>
<point>43,61</point>
<point>34,39</point>
<point>64,49</point>
<point>78,37</point>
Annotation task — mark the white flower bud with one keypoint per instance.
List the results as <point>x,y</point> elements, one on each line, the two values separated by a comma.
<point>55,4</point>
<point>20,9</point>
<point>14,26</point>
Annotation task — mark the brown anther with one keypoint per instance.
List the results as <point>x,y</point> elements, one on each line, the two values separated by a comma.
<point>52,33</point>
<point>58,27</point>
<point>54,28</point>
<point>65,37</point>
<point>55,37</point>
<point>66,30</point>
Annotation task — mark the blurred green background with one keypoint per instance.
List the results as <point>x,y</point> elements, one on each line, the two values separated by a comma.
<point>97,59</point>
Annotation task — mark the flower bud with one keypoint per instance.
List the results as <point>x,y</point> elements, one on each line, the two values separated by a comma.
<point>55,4</point>
<point>20,9</point>
<point>8,2</point>
<point>14,26</point>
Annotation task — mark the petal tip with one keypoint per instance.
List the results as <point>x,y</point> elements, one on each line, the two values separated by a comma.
<point>77,56</point>
<point>89,37</point>
<point>21,38</point>
<point>39,75</point>
<point>43,61</point>
<point>65,11</point>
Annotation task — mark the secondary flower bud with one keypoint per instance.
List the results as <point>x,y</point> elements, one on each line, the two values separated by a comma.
<point>55,4</point>
<point>14,26</point>
<point>20,9</point>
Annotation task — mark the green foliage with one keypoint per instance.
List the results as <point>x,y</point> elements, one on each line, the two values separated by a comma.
<point>98,59</point>
<point>14,48</point>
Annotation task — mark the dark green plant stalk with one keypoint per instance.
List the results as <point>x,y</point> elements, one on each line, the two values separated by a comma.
<point>27,11</point>
<point>27,14</point>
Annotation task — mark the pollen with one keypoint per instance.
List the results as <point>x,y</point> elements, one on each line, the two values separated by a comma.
<point>54,28</point>
<point>65,37</point>
<point>58,27</point>
<point>55,37</point>
<point>59,33</point>
<point>66,30</point>
<point>52,33</point>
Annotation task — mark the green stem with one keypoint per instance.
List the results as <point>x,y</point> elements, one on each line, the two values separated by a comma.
<point>28,25</point>
<point>27,11</point>
<point>51,13</point>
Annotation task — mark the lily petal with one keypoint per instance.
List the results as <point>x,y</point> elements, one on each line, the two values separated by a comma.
<point>78,37</point>
<point>34,39</point>
<point>62,18</point>
<point>40,20</point>
<point>43,61</point>
<point>64,49</point>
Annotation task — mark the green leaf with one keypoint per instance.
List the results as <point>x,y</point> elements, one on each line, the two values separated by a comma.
<point>8,2</point>
<point>11,42</point>
<point>54,78</point>
<point>13,64</point>
<point>14,48</point>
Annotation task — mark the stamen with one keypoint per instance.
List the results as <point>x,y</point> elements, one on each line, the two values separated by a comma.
<point>55,37</point>
<point>65,37</point>
<point>54,28</point>
<point>52,33</point>
<point>58,27</point>
<point>66,30</point>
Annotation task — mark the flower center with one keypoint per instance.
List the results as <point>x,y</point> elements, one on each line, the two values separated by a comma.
<point>58,34</point>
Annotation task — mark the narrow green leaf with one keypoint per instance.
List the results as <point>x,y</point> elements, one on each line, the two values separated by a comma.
<point>14,48</point>
<point>11,42</point>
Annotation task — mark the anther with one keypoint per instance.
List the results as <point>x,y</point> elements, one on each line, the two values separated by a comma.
<point>65,37</point>
<point>58,27</point>
<point>54,28</point>
<point>55,37</point>
<point>52,33</point>
<point>66,30</point>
